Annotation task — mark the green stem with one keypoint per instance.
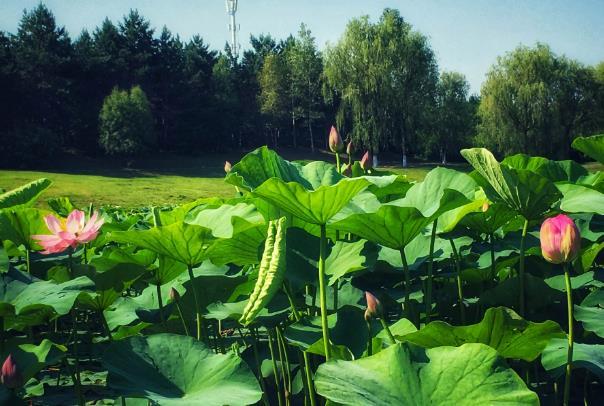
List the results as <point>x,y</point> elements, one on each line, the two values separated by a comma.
<point>283,346</point>
<point>77,379</point>
<point>307,367</point>
<point>385,327</point>
<point>323,293</point>
<point>182,318</point>
<point>338,162</point>
<point>430,270</point>
<point>407,305</point>
<point>569,355</point>
<point>521,267</point>
<point>493,263</point>
<point>197,308</point>
<point>457,260</point>
<point>336,288</point>
<point>369,339</point>
<point>161,306</point>
<point>258,367</point>
<point>275,369</point>
<point>27,261</point>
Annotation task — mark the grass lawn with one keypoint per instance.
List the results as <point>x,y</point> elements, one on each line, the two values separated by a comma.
<point>159,180</point>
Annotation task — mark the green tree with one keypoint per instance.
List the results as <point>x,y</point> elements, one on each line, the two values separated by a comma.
<point>273,97</point>
<point>383,77</point>
<point>454,115</point>
<point>126,124</point>
<point>535,102</point>
<point>304,68</point>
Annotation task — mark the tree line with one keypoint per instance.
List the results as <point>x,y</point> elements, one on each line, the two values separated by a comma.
<point>124,84</point>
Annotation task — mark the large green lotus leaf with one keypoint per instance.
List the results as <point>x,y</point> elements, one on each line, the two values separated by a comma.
<point>25,195</point>
<point>226,220</point>
<point>489,222</point>
<point>59,296</point>
<point>391,226</point>
<point>32,358</point>
<point>556,171</point>
<point>316,206</point>
<point>595,298</point>
<point>270,316</point>
<point>538,293</point>
<point>260,165</point>
<point>307,333</point>
<point>180,213</point>
<point>20,224</point>
<point>588,256</point>
<point>243,248</point>
<point>501,328</point>
<point>427,196</point>
<point>589,356</point>
<point>590,278</point>
<point>472,374</point>
<point>523,191</point>
<point>61,205</point>
<point>349,257</point>
<point>389,187</point>
<point>176,370</point>
<point>592,318</point>
<point>580,199</point>
<point>591,146</point>
<point>186,243</point>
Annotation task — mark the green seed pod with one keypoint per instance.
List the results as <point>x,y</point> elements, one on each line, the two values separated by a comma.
<point>271,272</point>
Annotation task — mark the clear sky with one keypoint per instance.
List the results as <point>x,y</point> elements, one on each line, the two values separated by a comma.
<point>467,36</point>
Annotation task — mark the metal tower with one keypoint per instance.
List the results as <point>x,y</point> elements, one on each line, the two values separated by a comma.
<point>231,6</point>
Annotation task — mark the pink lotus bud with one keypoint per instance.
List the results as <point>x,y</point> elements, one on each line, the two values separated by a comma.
<point>10,375</point>
<point>335,141</point>
<point>560,239</point>
<point>485,206</point>
<point>349,148</point>
<point>227,166</point>
<point>374,307</point>
<point>174,295</point>
<point>367,161</point>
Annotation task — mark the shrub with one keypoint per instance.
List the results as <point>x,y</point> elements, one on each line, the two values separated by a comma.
<point>126,123</point>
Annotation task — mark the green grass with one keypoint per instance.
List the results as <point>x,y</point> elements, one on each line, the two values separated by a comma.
<point>159,180</point>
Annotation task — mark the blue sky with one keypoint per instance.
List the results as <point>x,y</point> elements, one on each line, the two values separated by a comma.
<point>467,36</point>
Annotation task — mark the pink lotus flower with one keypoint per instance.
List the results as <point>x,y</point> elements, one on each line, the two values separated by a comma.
<point>367,161</point>
<point>68,233</point>
<point>374,307</point>
<point>10,375</point>
<point>227,166</point>
<point>560,239</point>
<point>335,141</point>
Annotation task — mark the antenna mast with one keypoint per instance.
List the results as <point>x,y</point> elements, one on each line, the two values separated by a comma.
<point>231,6</point>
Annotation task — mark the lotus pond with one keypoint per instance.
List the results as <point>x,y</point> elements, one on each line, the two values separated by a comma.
<point>314,284</point>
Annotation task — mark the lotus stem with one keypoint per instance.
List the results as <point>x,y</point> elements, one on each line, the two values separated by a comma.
<point>27,261</point>
<point>407,305</point>
<point>275,369</point>
<point>336,288</point>
<point>521,267</point>
<point>338,162</point>
<point>385,327</point>
<point>184,323</point>
<point>283,343</point>
<point>457,261</point>
<point>569,355</point>
<point>77,380</point>
<point>197,309</point>
<point>258,367</point>
<point>369,339</point>
<point>161,306</point>
<point>323,293</point>
<point>428,298</point>
<point>307,367</point>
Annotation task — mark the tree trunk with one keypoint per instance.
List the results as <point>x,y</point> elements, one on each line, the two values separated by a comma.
<point>376,161</point>
<point>404,150</point>
<point>312,138</point>
<point>443,154</point>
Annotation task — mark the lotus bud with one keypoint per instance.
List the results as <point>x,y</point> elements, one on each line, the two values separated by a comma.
<point>367,161</point>
<point>485,207</point>
<point>227,167</point>
<point>10,375</point>
<point>349,148</point>
<point>374,307</point>
<point>174,295</point>
<point>560,239</point>
<point>335,141</point>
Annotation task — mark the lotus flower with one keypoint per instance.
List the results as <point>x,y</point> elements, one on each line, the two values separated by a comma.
<point>349,148</point>
<point>227,166</point>
<point>335,141</point>
<point>560,239</point>
<point>68,232</point>
<point>374,307</point>
<point>174,295</point>
<point>367,161</point>
<point>10,375</point>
